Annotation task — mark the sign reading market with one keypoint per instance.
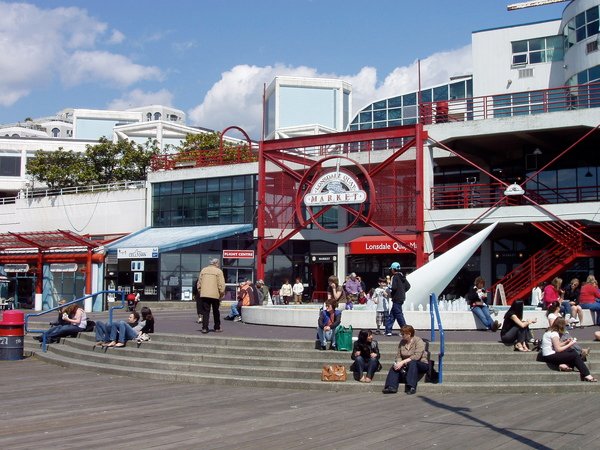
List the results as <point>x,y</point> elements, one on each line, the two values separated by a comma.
<point>335,188</point>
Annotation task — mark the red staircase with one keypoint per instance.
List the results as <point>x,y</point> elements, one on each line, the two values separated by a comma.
<point>548,262</point>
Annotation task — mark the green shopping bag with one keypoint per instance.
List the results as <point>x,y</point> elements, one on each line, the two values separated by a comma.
<point>343,338</point>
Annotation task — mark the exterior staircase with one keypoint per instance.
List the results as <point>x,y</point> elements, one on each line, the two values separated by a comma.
<point>482,367</point>
<point>568,245</point>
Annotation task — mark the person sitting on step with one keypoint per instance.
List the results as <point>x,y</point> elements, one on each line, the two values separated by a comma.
<point>554,311</point>
<point>365,353</point>
<point>412,361</point>
<point>329,319</point>
<point>476,297</point>
<point>76,320</point>
<point>561,353</point>
<point>515,330</point>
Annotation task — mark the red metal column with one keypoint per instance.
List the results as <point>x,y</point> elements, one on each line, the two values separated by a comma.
<point>88,272</point>
<point>260,215</point>
<point>420,198</point>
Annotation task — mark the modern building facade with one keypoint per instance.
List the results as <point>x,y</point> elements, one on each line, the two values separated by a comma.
<point>513,142</point>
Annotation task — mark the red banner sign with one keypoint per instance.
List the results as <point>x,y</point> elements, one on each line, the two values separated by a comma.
<point>381,245</point>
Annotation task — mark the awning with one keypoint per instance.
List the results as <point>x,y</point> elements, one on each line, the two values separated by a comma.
<point>168,239</point>
<point>382,244</point>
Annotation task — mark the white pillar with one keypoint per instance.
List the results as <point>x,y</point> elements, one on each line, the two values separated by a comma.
<point>38,302</point>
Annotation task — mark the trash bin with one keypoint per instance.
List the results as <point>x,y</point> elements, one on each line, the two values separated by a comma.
<point>11,335</point>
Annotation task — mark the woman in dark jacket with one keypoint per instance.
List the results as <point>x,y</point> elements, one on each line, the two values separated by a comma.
<point>365,354</point>
<point>515,330</point>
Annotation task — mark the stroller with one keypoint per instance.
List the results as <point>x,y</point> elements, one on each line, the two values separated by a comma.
<point>132,301</point>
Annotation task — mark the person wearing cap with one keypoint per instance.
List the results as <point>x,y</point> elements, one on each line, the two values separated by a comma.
<point>398,289</point>
<point>211,286</point>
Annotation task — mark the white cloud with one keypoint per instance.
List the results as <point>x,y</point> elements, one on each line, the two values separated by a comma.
<point>116,37</point>
<point>86,66</point>
<point>36,44</point>
<point>137,98</point>
<point>236,99</point>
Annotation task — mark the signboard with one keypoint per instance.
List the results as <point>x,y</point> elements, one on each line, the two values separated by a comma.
<point>137,253</point>
<point>323,258</point>
<point>65,267</point>
<point>339,187</point>
<point>381,245</point>
<point>16,268</point>
<point>238,254</point>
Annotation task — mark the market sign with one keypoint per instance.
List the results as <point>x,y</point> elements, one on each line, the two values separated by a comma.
<point>137,253</point>
<point>65,267</point>
<point>339,187</point>
<point>238,254</point>
<point>16,268</point>
<point>382,244</point>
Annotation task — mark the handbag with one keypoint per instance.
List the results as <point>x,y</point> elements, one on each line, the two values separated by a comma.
<point>432,376</point>
<point>333,372</point>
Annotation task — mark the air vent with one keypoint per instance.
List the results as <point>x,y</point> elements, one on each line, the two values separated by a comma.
<point>525,73</point>
<point>591,47</point>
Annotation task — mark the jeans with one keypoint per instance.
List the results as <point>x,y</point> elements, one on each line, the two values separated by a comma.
<point>395,314</point>
<point>414,371</point>
<point>62,330</point>
<point>362,365</point>
<point>126,333</point>
<point>569,357</point>
<point>102,332</point>
<point>325,336</point>
<point>595,307</point>
<point>483,314</point>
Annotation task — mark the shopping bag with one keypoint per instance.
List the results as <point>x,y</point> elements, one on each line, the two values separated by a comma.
<point>343,338</point>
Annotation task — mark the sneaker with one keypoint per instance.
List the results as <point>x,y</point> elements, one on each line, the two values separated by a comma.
<point>573,320</point>
<point>199,320</point>
<point>411,391</point>
<point>237,319</point>
<point>389,391</point>
<point>388,334</point>
<point>495,326</point>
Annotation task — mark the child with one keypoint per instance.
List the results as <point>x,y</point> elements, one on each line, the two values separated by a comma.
<point>380,298</point>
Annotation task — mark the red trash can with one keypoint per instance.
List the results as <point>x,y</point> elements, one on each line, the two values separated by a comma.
<point>12,331</point>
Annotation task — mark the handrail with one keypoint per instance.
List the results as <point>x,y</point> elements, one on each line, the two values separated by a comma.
<point>433,305</point>
<point>78,300</point>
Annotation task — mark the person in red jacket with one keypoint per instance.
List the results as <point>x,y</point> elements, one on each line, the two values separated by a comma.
<point>589,297</point>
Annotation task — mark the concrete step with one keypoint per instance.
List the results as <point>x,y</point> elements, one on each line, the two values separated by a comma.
<point>189,359</point>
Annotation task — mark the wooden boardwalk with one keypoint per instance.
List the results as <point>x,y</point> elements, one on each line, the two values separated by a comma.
<point>44,406</point>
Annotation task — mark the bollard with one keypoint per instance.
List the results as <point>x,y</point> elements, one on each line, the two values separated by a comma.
<point>12,335</point>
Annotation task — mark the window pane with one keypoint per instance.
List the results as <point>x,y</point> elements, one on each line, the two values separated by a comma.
<point>394,114</point>
<point>519,46</point>
<point>366,117</point>
<point>520,59</point>
<point>440,93</point>
<point>379,115</point>
<point>395,102</point>
<point>409,99</point>
<point>592,28</point>
<point>592,14</point>
<point>536,57</point>
<point>379,105</point>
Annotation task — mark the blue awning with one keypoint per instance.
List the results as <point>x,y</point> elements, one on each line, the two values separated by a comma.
<point>168,239</point>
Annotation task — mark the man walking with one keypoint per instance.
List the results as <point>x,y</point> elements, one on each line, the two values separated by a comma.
<point>398,294</point>
<point>211,286</point>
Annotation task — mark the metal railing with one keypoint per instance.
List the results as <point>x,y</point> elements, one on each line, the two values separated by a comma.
<point>433,308</point>
<point>525,103</point>
<point>481,195</point>
<point>79,300</point>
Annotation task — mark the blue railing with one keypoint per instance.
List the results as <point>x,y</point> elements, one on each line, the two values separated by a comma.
<point>433,306</point>
<point>79,300</point>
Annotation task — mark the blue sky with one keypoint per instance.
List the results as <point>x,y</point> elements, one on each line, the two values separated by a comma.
<point>211,58</point>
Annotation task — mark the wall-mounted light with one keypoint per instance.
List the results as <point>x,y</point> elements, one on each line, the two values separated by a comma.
<point>589,173</point>
<point>514,189</point>
<point>537,151</point>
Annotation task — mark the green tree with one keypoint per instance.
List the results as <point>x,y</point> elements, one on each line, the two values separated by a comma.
<point>103,163</point>
<point>57,169</point>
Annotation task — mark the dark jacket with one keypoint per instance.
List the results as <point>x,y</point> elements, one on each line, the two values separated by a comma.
<point>400,286</point>
<point>148,326</point>
<point>365,352</point>
<point>324,319</point>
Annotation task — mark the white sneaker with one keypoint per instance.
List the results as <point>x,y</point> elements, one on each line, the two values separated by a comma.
<point>573,320</point>
<point>388,334</point>
<point>238,319</point>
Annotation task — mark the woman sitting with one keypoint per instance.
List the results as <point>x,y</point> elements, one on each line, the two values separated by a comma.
<point>570,304</point>
<point>554,313</point>
<point>329,319</point>
<point>365,354</point>
<point>561,353</point>
<point>76,320</point>
<point>515,330</point>
<point>412,361</point>
<point>589,296</point>
<point>553,292</point>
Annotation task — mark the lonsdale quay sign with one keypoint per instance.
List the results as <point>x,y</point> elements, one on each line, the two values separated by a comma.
<point>337,187</point>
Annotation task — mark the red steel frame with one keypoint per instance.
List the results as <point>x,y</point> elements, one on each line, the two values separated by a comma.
<point>285,153</point>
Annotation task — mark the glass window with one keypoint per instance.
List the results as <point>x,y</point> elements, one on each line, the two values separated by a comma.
<point>366,117</point>
<point>457,90</point>
<point>519,46</point>
<point>394,114</point>
<point>200,185</point>
<point>176,187</point>
<point>426,95</point>
<point>380,115</point>
<point>395,102</point>
<point>225,184</point>
<point>440,93</point>
<point>212,185</point>
<point>409,99</point>
<point>380,105</point>
<point>10,166</point>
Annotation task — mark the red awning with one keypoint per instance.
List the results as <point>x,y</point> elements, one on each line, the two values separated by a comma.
<point>382,245</point>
